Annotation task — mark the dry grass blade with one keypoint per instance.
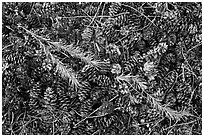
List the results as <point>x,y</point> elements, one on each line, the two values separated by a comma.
<point>95,15</point>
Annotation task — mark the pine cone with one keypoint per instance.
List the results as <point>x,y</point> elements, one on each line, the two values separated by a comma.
<point>35,98</point>
<point>153,115</point>
<point>84,91</point>
<point>34,105</point>
<point>25,8</point>
<point>136,99</point>
<point>86,108</point>
<point>50,98</point>
<point>183,94</point>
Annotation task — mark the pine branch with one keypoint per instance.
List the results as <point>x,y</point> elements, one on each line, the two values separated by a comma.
<point>73,51</point>
<point>168,112</point>
<point>76,52</point>
<point>65,72</point>
<point>135,80</point>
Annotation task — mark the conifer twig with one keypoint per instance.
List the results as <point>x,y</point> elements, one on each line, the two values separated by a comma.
<point>170,113</point>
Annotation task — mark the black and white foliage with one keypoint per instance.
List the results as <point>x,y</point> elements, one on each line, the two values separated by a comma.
<point>102,68</point>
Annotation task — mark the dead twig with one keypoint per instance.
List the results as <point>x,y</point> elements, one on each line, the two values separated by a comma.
<point>93,112</point>
<point>152,21</point>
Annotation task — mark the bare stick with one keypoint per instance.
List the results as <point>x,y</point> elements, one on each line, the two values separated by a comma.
<point>93,112</point>
<point>141,14</point>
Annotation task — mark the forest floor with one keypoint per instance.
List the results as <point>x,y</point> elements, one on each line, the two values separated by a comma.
<point>102,68</point>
